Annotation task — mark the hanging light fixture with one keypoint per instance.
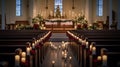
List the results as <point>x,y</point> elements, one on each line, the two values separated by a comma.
<point>46,4</point>
<point>73,4</point>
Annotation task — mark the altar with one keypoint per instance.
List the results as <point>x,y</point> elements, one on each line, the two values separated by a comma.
<point>59,24</point>
<point>58,21</point>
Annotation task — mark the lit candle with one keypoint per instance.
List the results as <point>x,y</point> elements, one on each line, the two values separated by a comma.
<point>104,60</point>
<point>23,60</point>
<point>53,62</point>
<point>33,45</point>
<point>99,58</point>
<point>91,47</point>
<point>28,50</point>
<point>94,50</point>
<point>70,57</point>
<point>23,54</point>
<point>62,52</point>
<point>17,60</point>
<point>62,42</point>
<point>87,44</point>
<point>65,55</point>
<point>59,47</point>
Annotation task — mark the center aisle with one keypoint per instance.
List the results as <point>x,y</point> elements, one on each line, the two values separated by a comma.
<point>54,53</point>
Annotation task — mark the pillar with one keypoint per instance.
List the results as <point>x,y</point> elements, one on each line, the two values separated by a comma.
<point>118,25</point>
<point>110,13</point>
<point>3,15</point>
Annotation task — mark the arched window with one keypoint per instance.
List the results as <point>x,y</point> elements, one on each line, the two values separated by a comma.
<point>58,3</point>
<point>100,7</point>
<point>18,7</point>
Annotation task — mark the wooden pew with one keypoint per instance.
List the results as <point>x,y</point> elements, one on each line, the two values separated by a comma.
<point>107,39</point>
<point>14,41</point>
<point>100,37</point>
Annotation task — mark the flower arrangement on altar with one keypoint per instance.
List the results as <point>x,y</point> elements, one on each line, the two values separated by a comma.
<point>81,19</point>
<point>37,19</point>
<point>81,22</point>
<point>38,22</point>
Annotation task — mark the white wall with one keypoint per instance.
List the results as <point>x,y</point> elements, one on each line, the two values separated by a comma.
<point>31,8</point>
<point>11,11</point>
<point>0,7</point>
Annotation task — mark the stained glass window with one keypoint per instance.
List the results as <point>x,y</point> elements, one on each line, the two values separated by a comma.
<point>18,7</point>
<point>58,3</point>
<point>100,7</point>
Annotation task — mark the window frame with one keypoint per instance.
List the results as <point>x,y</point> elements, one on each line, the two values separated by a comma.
<point>99,7</point>
<point>60,3</point>
<point>18,8</point>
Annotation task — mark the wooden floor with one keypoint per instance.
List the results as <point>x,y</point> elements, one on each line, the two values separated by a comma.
<point>56,55</point>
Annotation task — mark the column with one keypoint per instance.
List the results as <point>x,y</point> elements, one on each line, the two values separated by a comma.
<point>3,15</point>
<point>110,13</point>
<point>88,10</point>
<point>118,26</point>
<point>30,11</point>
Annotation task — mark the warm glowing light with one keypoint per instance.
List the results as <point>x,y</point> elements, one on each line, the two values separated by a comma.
<point>99,58</point>
<point>23,54</point>
<point>93,50</point>
<point>53,62</point>
<point>28,50</point>
<point>23,60</point>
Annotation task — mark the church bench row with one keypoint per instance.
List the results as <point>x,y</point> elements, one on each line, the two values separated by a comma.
<point>22,31</point>
<point>7,58</point>
<point>101,37</point>
<point>113,53</point>
<point>113,49</point>
<point>15,44</point>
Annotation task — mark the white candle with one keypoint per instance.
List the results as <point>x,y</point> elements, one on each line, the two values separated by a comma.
<point>23,54</point>
<point>62,42</point>
<point>94,50</point>
<point>23,60</point>
<point>53,62</point>
<point>28,50</point>
<point>33,45</point>
<point>87,44</point>
<point>104,60</point>
<point>99,58</point>
<point>70,57</point>
<point>17,60</point>
<point>63,53</point>
<point>91,47</point>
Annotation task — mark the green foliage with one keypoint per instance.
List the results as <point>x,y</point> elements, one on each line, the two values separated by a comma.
<point>24,27</point>
<point>37,19</point>
<point>81,19</point>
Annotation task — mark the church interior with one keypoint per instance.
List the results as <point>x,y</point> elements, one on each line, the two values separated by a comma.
<point>59,33</point>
